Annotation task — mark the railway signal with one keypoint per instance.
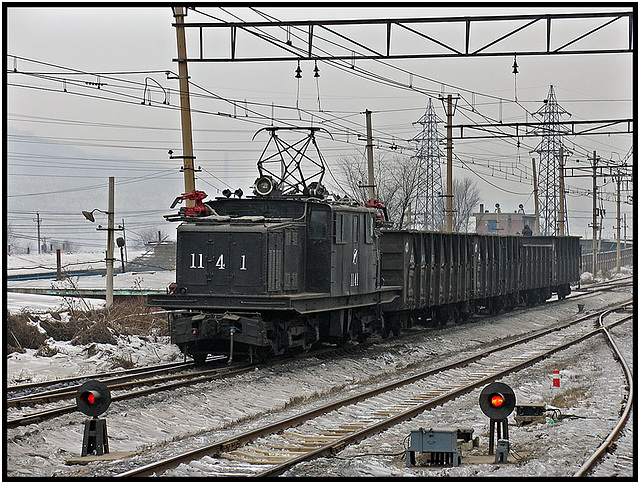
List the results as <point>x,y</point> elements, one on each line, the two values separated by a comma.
<point>93,398</point>
<point>497,401</point>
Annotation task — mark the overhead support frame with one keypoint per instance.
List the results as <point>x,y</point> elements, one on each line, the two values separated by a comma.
<point>490,48</point>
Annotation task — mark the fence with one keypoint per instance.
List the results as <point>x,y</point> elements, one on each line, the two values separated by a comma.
<point>606,261</point>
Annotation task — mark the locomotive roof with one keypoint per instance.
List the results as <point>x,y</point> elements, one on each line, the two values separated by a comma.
<point>270,208</point>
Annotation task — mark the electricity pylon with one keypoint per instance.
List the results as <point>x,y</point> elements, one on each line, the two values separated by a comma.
<point>550,149</point>
<point>429,205</point>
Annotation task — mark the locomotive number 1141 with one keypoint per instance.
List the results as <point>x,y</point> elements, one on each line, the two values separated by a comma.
<point>197,262</point>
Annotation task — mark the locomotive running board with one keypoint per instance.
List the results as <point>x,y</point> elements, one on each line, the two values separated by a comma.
<point>303,303</point>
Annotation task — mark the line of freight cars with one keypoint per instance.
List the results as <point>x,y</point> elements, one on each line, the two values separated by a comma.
<point>273,273</point>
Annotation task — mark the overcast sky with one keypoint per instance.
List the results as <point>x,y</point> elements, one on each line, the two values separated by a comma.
<point>62,146</point>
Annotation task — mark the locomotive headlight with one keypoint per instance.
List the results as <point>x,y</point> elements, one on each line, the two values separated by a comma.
<point>264,186</point>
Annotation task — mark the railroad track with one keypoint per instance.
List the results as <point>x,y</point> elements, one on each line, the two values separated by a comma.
<point>273,449</point>
<point>110,374</point>
<point>607,443</point>
<point>126,379</point>
<point>158,384</point>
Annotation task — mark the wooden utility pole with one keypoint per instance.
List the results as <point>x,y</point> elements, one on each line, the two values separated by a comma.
<point>561,193</point>
<point>185,107</point>
<point>593,221</point>
<point>449,196</point>
<point>535,197</point>
<point>37,221</point>
<point>370,182</point>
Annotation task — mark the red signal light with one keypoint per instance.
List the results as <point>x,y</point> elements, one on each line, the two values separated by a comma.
<point>91,397</point>
<point>497,400</point>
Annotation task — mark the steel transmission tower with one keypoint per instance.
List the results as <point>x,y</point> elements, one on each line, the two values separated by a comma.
<point>428,202</point>
<point>549,150</point>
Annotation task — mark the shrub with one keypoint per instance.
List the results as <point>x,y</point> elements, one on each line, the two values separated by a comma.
<point>46,350</point>
<point>96,333</point>
<point>21,334</point>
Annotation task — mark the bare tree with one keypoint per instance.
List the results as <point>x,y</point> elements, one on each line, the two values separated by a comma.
<point>143,237</point>
<point>466,197</point>
<point>396,183</point>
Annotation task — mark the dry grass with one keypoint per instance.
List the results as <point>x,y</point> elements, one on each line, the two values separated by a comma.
<point>83,327</point>
<point>570,398</point>
<point>22,335</point>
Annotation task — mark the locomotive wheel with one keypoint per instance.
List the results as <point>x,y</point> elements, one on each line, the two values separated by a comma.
<point>199,358</point>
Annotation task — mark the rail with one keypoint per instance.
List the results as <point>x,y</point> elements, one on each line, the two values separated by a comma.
<point>300,447</point>
<point>624,417</point>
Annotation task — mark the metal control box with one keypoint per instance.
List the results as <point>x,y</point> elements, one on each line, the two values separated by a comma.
<point>442,445</point>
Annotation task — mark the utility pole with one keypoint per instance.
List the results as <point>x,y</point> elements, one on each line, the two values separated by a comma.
<point>371,182</point>
<point>449,208</point>
<point>535,197</point>
<point>561,194</point>
<point>37,220</point>
<point>110,237</point>
<point>618,180</point>
<point>594,207</point>
<point>185,107</point>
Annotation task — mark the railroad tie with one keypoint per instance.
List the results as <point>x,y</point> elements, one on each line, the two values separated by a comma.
<point>274,451</point>
<point>240,456</point>
<point>311,438</point>
<point>294,449</point>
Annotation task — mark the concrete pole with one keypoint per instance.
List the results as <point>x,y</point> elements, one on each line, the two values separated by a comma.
<point>370,182</point>
<point>38,222</point>
<point>110,237</point>
<point>449,197</point>
<point>618,224</point>
<point>535,197</point>
<point>594,219</point>
<point>561,194</point>
<point>185,106</point>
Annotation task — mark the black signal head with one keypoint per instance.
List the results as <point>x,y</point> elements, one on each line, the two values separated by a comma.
<point>497,400</point>
<point>93,398</point>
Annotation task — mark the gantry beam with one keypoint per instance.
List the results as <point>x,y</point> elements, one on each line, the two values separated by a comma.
<point>535,129</point>
<point>338,37</point>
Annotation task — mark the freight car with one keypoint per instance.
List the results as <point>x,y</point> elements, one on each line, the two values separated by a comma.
<point>452,276</point>
<point>272,273</point>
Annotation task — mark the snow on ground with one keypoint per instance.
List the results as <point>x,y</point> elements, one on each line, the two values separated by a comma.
<point>151,280</point>
<point>38,303</point>
<point>190,417</point>
<point>74,360</point>
<point>19,264</point>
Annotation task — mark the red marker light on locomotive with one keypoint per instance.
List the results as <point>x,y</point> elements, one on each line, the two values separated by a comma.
<point>497,400</point>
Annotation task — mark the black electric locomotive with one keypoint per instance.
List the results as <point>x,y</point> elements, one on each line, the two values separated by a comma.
<point>292,267</point>
<point>275,273</point>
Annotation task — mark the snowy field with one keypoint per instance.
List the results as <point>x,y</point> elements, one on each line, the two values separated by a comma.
<point>156,426</point>
<point>22,264</point>
<point>72,360</point>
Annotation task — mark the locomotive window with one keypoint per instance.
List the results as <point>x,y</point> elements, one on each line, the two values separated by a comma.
<point>339,228</point>
<point>368,233</point>
<point>318,224</point>
<point>356,227</point>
